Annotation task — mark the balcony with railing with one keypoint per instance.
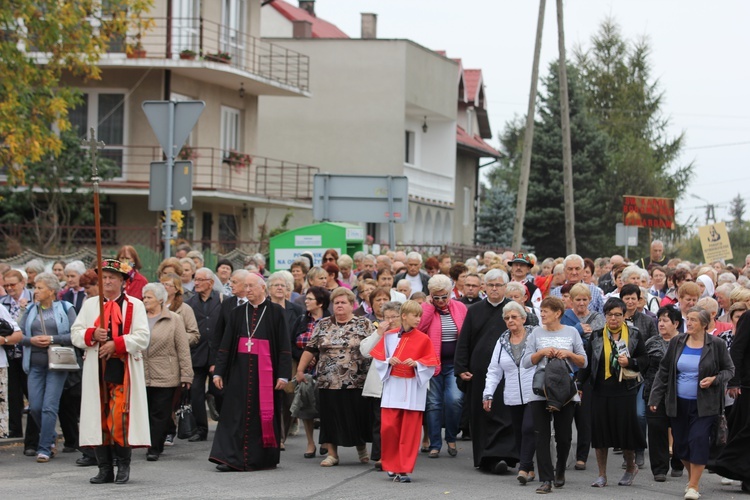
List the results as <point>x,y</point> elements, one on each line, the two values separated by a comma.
<point>217,170</point>
<point>188,44</point>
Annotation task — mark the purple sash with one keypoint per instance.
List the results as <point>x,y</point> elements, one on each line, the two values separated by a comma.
<point>262,349</point>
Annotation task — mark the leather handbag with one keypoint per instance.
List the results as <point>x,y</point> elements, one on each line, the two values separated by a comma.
<point>6,329</point>
<point>62,359</point>
<point>721,430</point>
<point>186,425</point>
<point>537,383</point>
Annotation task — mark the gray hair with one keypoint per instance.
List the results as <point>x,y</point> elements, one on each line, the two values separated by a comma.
<point>630,271</point>
<point>494,274</point>
<point>195,254</point>
<point>160,293</point>
<point>709,304</point>
<point>515,286</point>
<point>572,257</point>
<point>439,282</point>
<point>472,262</point>
<point>75,266</point>
<point>284,276</point>
<point>703,315</point>
<point>217,286</point>
<point>725,288</point>
<point>358,256</point>
<point>726,278</point>
<point>558,269</point>
<point>390,306</point>
<point>369,258</point>
<point>35,265</point>
<point>345,261</point>
<point>259,259</point>
<point>657,242</point>
<point>50,280</point>
<point>515,306</point>
<point>241,274</point>
<point>414,256</point>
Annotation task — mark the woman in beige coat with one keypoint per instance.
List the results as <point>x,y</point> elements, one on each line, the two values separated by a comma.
<point>167,364</point>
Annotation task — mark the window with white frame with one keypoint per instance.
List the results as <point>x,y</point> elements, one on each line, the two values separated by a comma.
<point>104,111</point>
<point>233,28</point>
<point>230,129</point>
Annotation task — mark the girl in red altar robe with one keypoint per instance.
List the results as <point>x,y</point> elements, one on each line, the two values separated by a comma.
<point>405,361</point>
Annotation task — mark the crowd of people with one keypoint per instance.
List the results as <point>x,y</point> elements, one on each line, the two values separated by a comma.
<point>393,354</point>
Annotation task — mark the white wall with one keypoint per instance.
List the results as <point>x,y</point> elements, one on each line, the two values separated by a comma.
<point>273,24</point>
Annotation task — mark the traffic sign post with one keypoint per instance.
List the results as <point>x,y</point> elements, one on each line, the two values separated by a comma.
<point>172,122</point>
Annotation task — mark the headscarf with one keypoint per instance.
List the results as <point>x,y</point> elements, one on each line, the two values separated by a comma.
<point>708,282</point>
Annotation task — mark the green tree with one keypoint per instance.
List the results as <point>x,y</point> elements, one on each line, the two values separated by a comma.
<point>41,41</point>
<point>737,211</point>
<point>495,223</point>
<point>56,195</point>
<point>626,101</point>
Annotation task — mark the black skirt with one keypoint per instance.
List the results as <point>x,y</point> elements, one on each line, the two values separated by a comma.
<point>345,417</point>
<point>615,422</point>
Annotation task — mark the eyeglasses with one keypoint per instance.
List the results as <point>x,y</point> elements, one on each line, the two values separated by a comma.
<point>10,285</point>
<point>513,317</point>
<point>495,285</point>
<point>614,315</point>
<point>440,297</point>
<point>168,285</point>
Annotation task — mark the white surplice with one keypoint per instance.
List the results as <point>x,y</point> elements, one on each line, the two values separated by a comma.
<point>398,392</point>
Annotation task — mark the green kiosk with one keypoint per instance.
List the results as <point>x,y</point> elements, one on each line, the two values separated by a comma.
<point>315,238</point>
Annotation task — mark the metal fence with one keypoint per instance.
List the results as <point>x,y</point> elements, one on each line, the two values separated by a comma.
<point>173,37</point>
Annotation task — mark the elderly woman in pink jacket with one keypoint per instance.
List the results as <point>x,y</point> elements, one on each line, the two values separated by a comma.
<point>441,321</point>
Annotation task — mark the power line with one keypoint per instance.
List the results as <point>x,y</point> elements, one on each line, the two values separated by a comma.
<point>724,145</point>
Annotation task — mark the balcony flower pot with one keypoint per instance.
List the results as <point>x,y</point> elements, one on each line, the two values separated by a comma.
<point>221,57</point>
<point>238,161</point>
<point>188,55</point>
<point>135,52</point>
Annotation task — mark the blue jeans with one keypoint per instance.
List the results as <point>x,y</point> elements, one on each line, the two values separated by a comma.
<point>45,389</point>
<point>640,405</point>
<point>444,404</point>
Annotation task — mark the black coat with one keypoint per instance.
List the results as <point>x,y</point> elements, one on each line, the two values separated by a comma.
<point>227,305</point>
<point>202,353</point>
<point>423,276</point>
<point>741,353</point>
<point>68,297</point>
<point>595,351</point>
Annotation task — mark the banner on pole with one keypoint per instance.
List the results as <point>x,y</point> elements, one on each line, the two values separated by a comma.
<point>647,211</point>
<point>715,242</point>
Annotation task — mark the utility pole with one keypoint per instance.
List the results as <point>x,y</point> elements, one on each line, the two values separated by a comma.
<point>528,138</point>
<point>570,237</point>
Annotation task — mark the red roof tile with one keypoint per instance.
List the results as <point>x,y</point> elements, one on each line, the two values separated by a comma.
<point>473,82</point>
<point>475,143</point>
<point>320,28</point>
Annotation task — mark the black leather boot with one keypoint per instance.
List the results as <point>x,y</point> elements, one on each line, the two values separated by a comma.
<point>104,460</point>
<point>123,464</point>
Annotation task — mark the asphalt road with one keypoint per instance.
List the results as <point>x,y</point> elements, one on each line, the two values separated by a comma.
<point>185,472</point>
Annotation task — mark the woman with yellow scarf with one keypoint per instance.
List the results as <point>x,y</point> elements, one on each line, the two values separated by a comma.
<point>617,355</point>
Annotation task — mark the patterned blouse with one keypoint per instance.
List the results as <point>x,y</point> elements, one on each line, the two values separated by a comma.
<point>336,345</point>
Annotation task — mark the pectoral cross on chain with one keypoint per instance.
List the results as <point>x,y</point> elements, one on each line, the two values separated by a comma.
<point>94,147</point>
<point>249,344</point>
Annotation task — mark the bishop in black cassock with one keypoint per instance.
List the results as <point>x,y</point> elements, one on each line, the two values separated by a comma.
<point>252,365</point>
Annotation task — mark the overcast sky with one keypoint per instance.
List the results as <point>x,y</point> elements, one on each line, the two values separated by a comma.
<point>699,56</point>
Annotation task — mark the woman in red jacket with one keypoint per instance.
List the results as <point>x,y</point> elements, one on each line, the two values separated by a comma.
<point>136,281</point>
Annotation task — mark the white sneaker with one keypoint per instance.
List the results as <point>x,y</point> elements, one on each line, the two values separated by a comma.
<point>692,494</point>
<point>725,481</point>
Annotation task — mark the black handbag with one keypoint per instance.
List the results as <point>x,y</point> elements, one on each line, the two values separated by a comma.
<point>186,425</point>
<point>5,328</point>
<point>537,383</point>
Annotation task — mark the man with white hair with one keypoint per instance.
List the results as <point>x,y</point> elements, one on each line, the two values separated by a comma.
<point>414,274</point>
<point>487,259</point>
<point>404,287</point>
<point>573,267</point>
<point>656,256</point>
<point>206,304</point>
<point>722,293</point>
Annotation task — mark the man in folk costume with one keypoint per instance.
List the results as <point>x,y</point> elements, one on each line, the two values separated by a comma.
<point>405,360</point>
<point>114,410</point>
<point>252,364</point>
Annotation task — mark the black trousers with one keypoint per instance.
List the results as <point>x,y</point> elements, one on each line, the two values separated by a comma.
<point>658,443</point>
<point>159,413</point>
<point>523,427</point>
<point>375,407</point>
<point>198,397</point>
<point>16,391</point>
<point>563,422</point>
<point>69,414</point>
<point>583,415</point>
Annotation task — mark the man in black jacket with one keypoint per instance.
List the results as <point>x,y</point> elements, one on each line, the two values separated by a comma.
<point>206,304</point>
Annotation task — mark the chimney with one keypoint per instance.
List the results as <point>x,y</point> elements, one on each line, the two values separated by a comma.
<point>369,26</point>
<point>308,5</point>
<point>301,29</point>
